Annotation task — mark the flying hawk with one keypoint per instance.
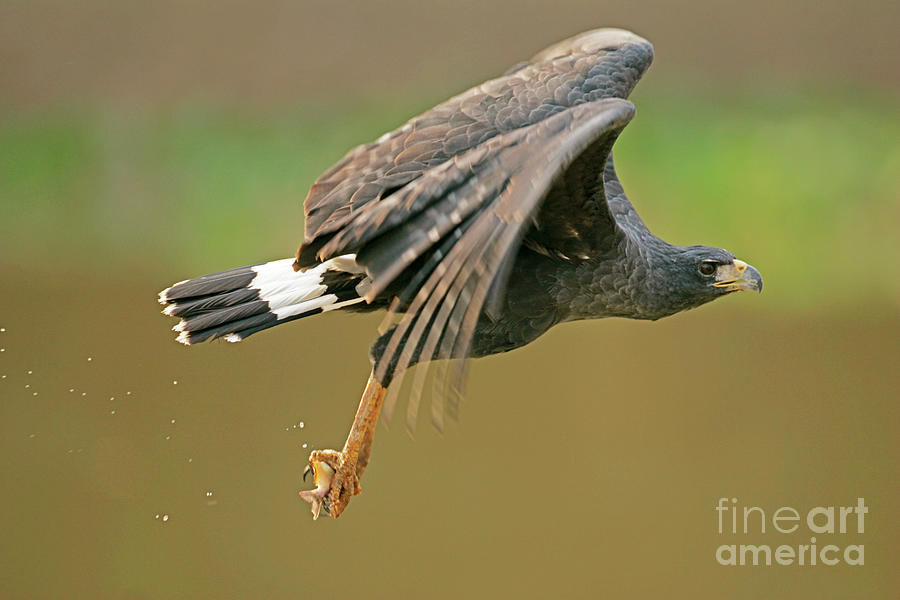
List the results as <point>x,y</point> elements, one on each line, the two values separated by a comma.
<point>477,225</point>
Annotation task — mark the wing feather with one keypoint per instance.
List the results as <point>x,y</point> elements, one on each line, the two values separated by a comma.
<point>599,64</point>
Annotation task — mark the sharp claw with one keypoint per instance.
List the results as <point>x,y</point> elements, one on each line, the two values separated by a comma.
<point>306,472</point>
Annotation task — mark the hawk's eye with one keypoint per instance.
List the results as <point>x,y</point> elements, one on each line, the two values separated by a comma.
<point>707,268</point>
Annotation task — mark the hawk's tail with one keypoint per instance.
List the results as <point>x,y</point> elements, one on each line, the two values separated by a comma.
<point>237,303</point>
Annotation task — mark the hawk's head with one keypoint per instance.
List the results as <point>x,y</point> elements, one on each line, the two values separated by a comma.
<point>686,277</point>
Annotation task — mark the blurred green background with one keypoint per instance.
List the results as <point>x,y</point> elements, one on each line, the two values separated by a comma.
<point>145,142</point>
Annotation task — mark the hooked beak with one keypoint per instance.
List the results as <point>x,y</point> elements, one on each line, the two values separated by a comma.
<point>737,277</point>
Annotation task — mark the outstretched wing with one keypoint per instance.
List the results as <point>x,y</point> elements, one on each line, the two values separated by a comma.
<point>604,63</point>
<point>466,220</point>
<point>437,210</point>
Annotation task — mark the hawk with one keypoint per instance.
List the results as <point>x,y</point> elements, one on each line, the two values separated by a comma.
<point>477,226</point>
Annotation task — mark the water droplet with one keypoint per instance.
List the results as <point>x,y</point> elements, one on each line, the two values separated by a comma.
<point>34,393</point>
<point>2,329</point>
<point>190,460</point>
<point>31,435</point>
<point>70,451</point>
<point>165,517</point>
<point>172,421</point>
<point>174,382</point>
<point>208,494</point>
<point>127,393</point>
<point>2,349</point>
<point>112,412</point>
<point>90,359</point>
<point>111,398</point>
<point>29,372</point>
<point>157,516</point>
<point>84,393</point>
<point>304,445</point>
<point>27,385</point>
<point>301,424</point>
<point>4,377</point>
<point>168,437</point>
<point>71,390</point>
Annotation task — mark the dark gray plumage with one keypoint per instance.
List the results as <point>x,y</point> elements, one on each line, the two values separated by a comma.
<point>483,222</point>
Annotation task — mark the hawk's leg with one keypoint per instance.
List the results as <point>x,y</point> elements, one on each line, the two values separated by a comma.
<point>337,473</point>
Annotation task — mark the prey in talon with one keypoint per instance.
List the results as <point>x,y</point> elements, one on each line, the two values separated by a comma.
<point>477,226</point>
<point>322,476</point>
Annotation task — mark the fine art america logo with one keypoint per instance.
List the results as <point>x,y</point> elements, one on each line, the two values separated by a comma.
<point>823,524</point>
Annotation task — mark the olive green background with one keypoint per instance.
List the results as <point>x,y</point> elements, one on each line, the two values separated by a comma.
<point>145,142</point>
